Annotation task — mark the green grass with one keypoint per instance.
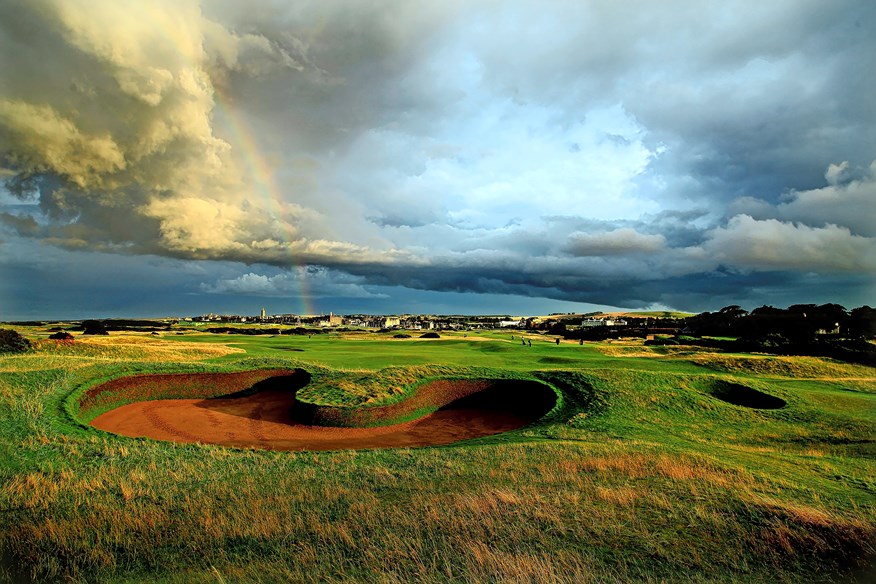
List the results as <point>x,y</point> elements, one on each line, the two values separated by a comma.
<point>641,473</point>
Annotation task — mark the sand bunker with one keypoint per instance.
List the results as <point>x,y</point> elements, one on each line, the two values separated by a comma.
<point>741,395</point>
<point>271,418</point>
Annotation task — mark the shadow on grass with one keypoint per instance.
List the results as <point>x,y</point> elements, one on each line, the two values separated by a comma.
<point>747,397</point>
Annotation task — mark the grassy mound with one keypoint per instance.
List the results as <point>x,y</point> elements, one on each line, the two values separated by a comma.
<point>535,398</point>
<point>12,342</point>
<point>335,388</point>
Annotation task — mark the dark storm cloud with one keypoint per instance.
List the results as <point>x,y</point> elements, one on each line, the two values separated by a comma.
<point>772,102</point>
<point>611,243</point>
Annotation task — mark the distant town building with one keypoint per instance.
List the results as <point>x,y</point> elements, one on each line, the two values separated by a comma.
<point>593,322</point>
<point>263,313</point>
<point>332,320</point>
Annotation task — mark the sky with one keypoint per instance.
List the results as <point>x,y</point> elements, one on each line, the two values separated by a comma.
<point>175,157</point>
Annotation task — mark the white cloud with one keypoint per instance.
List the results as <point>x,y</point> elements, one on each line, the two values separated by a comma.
<point>311,282</point>
<point>747,243</point>
<point>836,172</point>
<point>851,203</point>
<point>845,201</point>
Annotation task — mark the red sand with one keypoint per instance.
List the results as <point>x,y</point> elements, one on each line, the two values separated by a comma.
<point>264,420</point>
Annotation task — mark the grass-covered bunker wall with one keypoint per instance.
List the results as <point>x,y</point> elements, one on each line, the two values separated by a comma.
<point>523,396</point>
<point>125,390</point>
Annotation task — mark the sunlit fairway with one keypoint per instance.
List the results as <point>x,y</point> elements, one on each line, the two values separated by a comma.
<point>648,469</point>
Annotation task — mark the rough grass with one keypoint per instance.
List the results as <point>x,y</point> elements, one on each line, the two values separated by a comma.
<point>796,367</point>
<point>638,350</point>
<point>640,475</point>
<point>561,512</point>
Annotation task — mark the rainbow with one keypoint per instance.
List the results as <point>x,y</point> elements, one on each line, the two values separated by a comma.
<point>239,133</point>
<point>264,185</point>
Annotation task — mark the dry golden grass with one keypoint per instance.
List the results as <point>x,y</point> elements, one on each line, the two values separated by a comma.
<point>485,563</point>
<point>85,351</point>
<point>636,348</point>
<point>163,351</point>
<point>623,496</point>
<point>506,513</point>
